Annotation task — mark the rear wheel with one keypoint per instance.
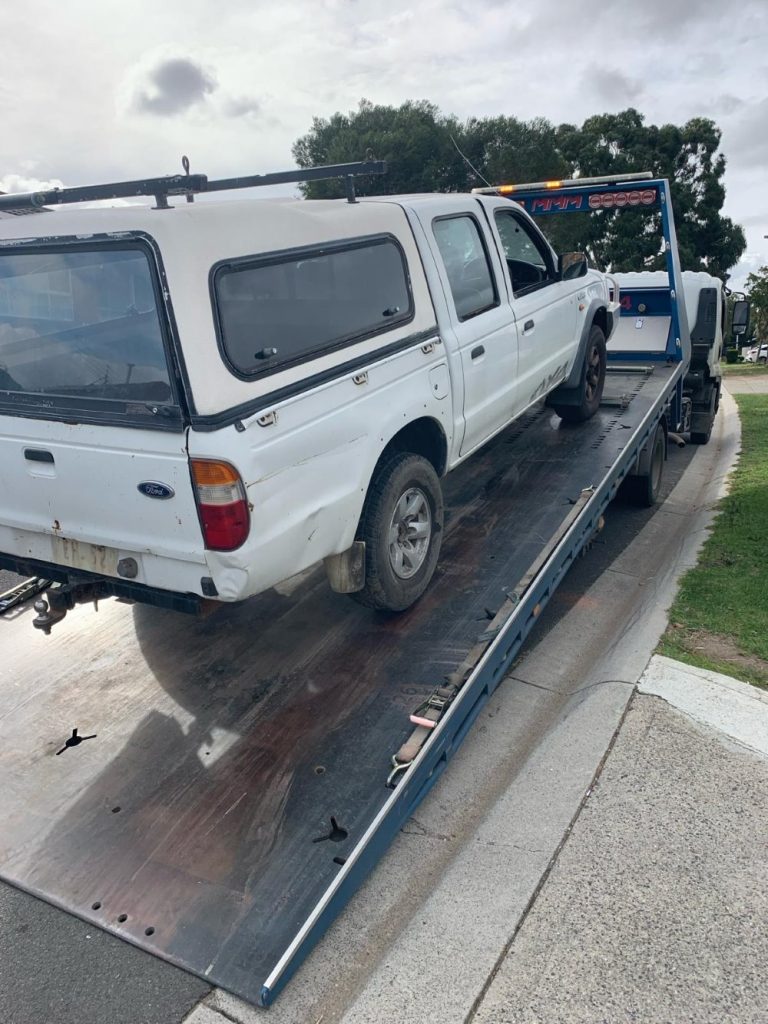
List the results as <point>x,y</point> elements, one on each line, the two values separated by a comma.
<point>644,490</point>
<point>401,525</point>
<point>593,380</point>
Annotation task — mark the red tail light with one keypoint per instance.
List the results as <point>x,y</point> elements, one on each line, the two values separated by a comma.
<point>222,504</point>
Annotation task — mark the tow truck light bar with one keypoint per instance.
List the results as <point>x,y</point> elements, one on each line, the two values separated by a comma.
<point>533,186</point>
<point>188,185</point>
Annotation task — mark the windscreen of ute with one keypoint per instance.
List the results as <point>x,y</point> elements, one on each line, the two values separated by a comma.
<point>81,325</point>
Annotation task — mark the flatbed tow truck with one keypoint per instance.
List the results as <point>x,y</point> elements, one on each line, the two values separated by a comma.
<point>214,790</point>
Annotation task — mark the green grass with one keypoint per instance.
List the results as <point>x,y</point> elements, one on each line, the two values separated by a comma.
<point>720,617</point>
<point>744,369</point>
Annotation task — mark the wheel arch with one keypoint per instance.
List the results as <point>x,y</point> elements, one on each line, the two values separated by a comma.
<point>597,314</point>
<point>600,317</point>
<point>423,436</point>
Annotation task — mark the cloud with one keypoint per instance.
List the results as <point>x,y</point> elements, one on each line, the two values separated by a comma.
<point>127,113</point>
<point>242,106</point>
<point>747,138</point>
<point>613,86</point>
<point>749,263</point>
<point>662,14</point>
<point>175,85</point>
<point>22,183</point>
<point>727,104</point>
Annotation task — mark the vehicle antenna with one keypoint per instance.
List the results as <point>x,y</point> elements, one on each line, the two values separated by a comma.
<point>469,163</point>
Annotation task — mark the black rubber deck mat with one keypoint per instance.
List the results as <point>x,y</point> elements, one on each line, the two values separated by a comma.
<point>224,767</point>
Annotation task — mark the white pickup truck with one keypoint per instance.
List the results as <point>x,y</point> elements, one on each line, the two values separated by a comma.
<point>203,400</point>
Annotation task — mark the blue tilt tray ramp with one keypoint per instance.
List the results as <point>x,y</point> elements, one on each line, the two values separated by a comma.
<point>233,794</point>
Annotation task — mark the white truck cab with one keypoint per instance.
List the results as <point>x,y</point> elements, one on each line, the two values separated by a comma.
<point>706,305</point>
<point>200,401</point>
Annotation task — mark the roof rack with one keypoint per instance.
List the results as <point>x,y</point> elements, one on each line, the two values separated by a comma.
<point>530,186</point>
<point>188,185</point>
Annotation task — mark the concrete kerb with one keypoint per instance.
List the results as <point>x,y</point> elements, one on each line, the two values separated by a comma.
<point>727,705</point>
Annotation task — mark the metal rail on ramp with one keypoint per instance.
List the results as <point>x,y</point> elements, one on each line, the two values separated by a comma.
<point>231,796</point>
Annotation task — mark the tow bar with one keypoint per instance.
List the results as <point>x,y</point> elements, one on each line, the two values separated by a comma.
<point>63,598</point>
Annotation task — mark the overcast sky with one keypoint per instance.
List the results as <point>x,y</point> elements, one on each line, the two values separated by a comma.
<point>94,92</point>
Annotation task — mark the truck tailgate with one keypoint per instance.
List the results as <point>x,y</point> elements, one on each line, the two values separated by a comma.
<point>77,495</point>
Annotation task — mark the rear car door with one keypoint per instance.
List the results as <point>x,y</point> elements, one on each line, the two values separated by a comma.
<point>545,307</point>
<point>93,452</point>
<point>478,313</point>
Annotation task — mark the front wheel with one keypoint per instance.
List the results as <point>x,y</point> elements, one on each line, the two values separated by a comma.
<point>402,525</point>
<point>593,380</point>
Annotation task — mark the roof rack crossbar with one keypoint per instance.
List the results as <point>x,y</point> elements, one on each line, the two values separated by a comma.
<point>183,184</point>
<point>305,174</point>
<point>178,184</point>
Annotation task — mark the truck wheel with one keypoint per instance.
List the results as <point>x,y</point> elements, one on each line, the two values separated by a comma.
<point>644,490</point>
<point>593,381</point>
<point>402,525</point>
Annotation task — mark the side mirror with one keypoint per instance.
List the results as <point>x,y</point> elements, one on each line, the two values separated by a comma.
<point>571,265</point>
<point>740,318</point>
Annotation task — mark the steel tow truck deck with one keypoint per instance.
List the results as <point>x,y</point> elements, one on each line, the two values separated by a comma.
<point>214,789</point>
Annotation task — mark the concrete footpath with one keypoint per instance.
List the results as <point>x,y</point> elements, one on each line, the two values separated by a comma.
<point>656,909</point>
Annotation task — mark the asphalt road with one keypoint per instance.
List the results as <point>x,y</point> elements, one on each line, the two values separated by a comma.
<point>8,580</point>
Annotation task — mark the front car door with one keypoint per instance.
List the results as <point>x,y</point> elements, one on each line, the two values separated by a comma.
<point>544,306</point>
<point>477,310</point>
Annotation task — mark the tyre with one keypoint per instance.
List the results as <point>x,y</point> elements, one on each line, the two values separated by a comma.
<point>402,526</point>
<point>593,380</point>
<point>644,490</point>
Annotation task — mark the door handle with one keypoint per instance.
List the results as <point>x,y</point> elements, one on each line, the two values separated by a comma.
<point>478,351</point>
<point>38,455</point>
<point>528,326</point>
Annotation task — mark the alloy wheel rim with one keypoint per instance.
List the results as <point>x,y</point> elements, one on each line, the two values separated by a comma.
<point>410,532</point>
<point>593,373</point>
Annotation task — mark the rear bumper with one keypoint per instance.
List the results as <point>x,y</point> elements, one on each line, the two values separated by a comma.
<point>107,585</point>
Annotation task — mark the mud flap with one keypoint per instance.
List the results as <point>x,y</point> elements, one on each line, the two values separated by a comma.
<point>346,572</point>
<point>704,411</point>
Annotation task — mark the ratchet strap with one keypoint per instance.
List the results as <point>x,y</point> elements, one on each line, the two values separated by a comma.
<point>22,592</point>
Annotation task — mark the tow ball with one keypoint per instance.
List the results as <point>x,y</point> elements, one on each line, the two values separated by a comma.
<point>47,616</point>
<point>59,600</point>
